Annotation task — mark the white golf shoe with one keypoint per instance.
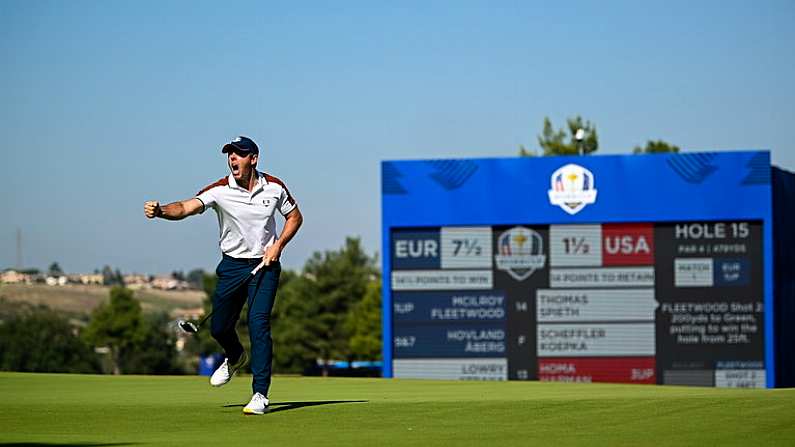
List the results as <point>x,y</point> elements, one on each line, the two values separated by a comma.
<point>257,405</point>
<point>224,373</point>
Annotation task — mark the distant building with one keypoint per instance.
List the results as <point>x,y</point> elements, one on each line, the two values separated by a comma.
<point>136,281</point>
<point>15,277</point>
<point>90,279</point>
<point>56,280</point>
<point>169,283</point>
<point>132,281</point>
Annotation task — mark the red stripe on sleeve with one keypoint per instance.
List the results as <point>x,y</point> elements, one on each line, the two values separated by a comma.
<point>278,181</point>
<point>222,182</point>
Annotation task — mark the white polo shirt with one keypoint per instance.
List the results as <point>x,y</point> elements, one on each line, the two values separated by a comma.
<point>246,220</point>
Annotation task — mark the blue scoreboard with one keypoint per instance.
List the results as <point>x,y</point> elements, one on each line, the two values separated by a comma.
<point>633,269</point>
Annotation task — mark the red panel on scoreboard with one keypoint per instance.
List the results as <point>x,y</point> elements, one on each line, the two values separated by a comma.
<point>602,369</point>
<point>627,244</point>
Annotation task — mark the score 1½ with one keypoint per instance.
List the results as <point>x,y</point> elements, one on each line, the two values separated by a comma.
<point>576,245</point>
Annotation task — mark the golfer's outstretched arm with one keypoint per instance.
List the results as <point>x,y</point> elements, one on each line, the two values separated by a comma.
<point>173,211</point>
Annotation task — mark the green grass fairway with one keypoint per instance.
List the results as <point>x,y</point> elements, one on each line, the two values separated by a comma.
<point>47,409</point>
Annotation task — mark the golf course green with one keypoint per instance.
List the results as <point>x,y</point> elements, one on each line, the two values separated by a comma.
<point>56,409</point>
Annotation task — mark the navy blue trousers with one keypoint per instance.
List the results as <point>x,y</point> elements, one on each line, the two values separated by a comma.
<point>236,286</point>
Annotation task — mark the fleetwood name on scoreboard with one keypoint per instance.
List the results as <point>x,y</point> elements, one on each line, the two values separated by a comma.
<point>630,269</point>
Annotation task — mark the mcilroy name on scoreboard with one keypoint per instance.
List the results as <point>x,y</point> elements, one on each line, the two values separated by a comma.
<point>647,269</point>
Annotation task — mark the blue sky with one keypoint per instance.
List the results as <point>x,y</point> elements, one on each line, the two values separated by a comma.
<point>108,104</point>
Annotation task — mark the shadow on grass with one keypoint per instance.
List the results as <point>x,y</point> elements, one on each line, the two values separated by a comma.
<point>282,406</point>
<point>63,444</point>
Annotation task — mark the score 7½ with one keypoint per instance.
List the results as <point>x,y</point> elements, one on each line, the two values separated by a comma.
<point>466,247</point>
<point>470,246</point>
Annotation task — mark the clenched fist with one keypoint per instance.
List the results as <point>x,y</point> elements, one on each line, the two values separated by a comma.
<point>152,209</point>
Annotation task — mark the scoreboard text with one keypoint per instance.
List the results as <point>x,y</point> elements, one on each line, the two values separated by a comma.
<point>666,303</point>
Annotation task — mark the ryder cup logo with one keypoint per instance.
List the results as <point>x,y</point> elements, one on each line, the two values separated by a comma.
<point>572,188</point>
<point>521,252</point>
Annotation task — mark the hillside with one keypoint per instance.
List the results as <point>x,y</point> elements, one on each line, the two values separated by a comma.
<point>81,300</point>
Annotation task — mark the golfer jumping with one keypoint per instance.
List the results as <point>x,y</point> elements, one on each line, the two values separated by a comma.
<point>246,203</point>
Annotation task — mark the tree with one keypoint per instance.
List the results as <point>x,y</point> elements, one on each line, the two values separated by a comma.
<point>154,349</point>
<point>137,345</point>
<point>655,147</point>
<point>561,142</point>
<point>117,325</point>
<point>341,279</point>
<point>363,323</point>
<point>41,340</point>
<point>295,330</point>
<point>523,152</point>
<point>55,270</point>
<point>196,278</point>
<point>312,309</point>
<point>111,278</point>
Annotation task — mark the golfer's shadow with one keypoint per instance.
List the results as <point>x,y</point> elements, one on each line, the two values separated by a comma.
<point>282,406</point>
